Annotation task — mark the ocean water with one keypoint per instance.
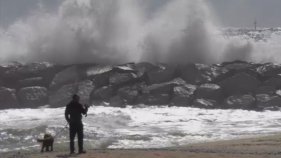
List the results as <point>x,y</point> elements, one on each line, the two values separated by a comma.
<point>146,127</point>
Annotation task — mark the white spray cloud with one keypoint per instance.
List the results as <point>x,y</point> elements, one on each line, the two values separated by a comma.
<point>120,31</point>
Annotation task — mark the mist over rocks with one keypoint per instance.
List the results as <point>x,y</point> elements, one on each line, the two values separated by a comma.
<point>230,85</point>
<point>115,32</point>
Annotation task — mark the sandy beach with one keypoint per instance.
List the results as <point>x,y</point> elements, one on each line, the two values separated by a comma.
<point>261,147</point>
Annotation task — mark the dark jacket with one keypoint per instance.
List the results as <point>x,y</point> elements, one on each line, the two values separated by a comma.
<point>74,111</point>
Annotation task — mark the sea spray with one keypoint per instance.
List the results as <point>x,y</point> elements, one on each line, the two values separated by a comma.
<point>127,31</point>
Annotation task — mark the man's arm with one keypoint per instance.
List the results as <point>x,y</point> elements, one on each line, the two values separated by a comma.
<point>66,114</point>
<point>84,109</point>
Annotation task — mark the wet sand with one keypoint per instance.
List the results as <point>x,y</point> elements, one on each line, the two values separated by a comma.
<point>261,147</point>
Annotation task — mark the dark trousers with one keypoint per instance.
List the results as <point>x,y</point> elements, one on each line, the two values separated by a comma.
<point>76,128</point>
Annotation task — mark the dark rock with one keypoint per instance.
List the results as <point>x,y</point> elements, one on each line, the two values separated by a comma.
<point>30,82</point>
<point>93,71</point>
<point>131,93</point>
<point>119,79</point>
<point>102,94</point>
<point>155,99</point>
<point>274,82</point>
<point>28,70</point>
<point>269,70</point>
<point>265,101</point>
<point>205,103</point>
<point>33,97</point>
<point>209,91</point>
<point>240,102</point>
<point>63,95</point>
<point>240,83</point>
<point>84,90</point>
<point>8,98</point>
<point>16,72</point>
<point>164,74</point>
<point>143,68</point>
<point>199,73</point>
<point>229,69</point>
<point>117,101</point>
<point>99,75</point>
<point>162,88</point>
<point>238,65</point>
<point>126,68</point>
<point>266,90</point>
<point>66,76</point>
<point>183,95</point>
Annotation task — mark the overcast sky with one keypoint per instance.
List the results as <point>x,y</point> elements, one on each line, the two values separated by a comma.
<point>236,13</point>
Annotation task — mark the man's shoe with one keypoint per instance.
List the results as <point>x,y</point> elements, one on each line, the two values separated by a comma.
<point>82,152</point>
<point>72,152</point>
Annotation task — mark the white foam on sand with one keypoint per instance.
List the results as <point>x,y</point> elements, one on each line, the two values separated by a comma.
<point>150,127</point>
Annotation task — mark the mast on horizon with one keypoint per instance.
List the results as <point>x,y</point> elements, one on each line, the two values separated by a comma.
<point>255,23</point>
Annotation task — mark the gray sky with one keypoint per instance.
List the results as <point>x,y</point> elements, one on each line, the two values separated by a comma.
<point>236,13</point>
<point>242,13</point>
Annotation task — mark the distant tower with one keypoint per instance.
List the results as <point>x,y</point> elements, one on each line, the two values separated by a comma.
<point>255,23</point>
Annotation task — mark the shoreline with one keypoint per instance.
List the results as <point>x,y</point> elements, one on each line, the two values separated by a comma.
<point>256,147</point>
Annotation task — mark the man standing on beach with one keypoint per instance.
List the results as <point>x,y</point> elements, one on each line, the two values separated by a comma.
<point>73,115</point>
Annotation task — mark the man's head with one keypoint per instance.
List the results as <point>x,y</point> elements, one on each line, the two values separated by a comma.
<point>75,98</point>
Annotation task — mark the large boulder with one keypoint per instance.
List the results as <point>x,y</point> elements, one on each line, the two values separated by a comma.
<point>209,91</point>
<point>240,83</point>
<point>102,94</point>
<point>144,67</point>
<point>66,76</point>
<point>238,65</point>
<point>117,101</point>
<point>162,88</point>
<point>205,103</point>
<point>84,90</point>
<point>119,79</point>
<point>30,82</point>
<point>274,82</point>
<point>92,71</point>
<point>265,101</point>
<point>183,95</point>
<point>164,74</point>
<point>33,97</point>
<point>63,95</point>
<point>154,99</point>
<point>240,102</point>
<point>265,90</point>
<point>269,70</point>
<point>27,70</point>
<point>99,74</point>
<point>8,98</point>
<point>131,93</point>
<point>125,68</point>
<point>15,72</point>
<point>199,73</point>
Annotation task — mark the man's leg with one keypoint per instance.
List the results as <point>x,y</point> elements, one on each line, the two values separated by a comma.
<point>80,138</point>
<point>72,133</point>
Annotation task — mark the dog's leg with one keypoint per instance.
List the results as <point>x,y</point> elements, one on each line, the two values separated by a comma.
<point>47,147</point>
<point>52,147</point>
